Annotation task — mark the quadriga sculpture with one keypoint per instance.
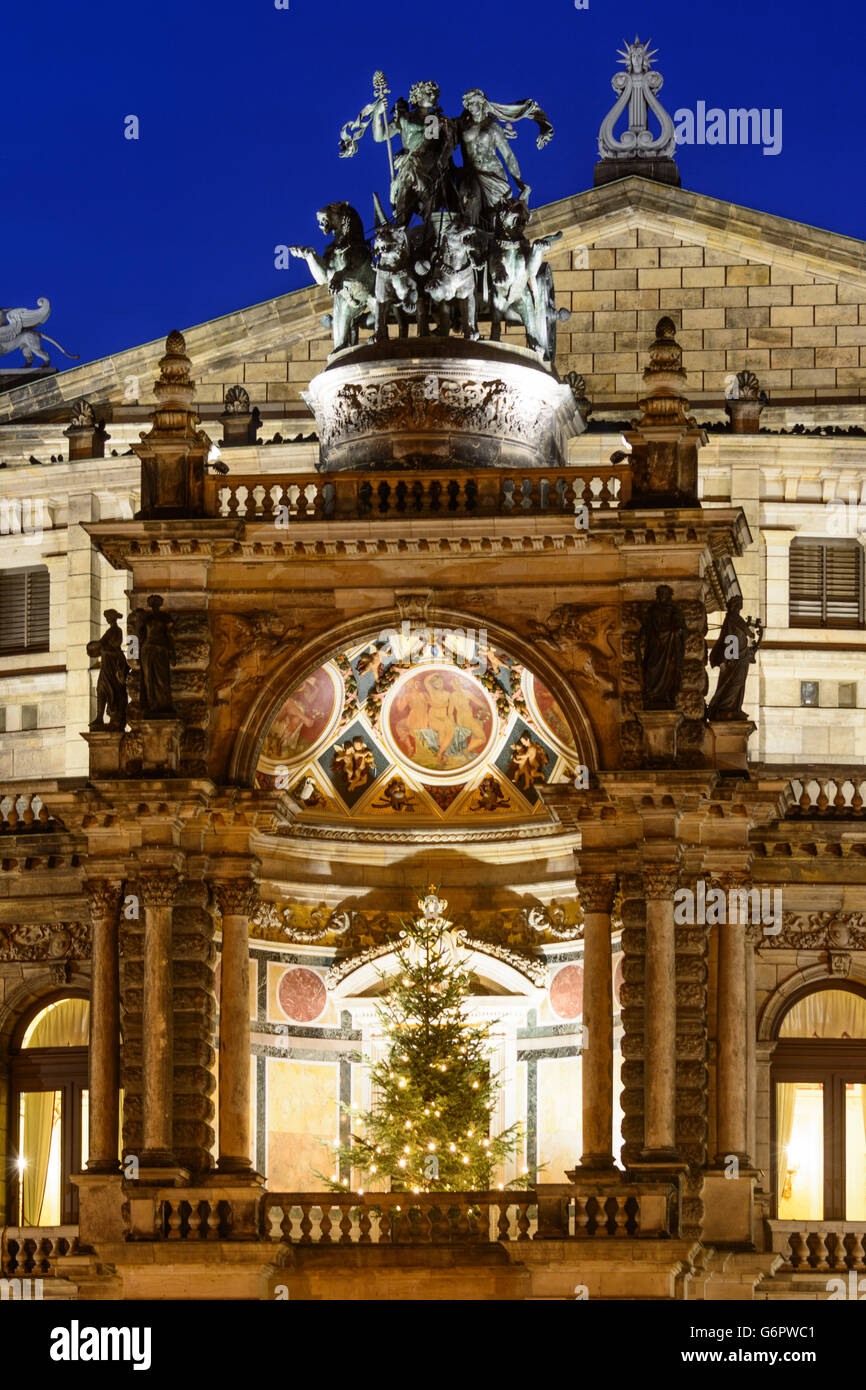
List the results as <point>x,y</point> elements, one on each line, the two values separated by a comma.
<point>521,284</point>
<point>396,286</point>
<point>452,282</point>
<point>345,267</point>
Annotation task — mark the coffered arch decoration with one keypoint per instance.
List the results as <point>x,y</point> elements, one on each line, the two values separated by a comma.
<point>431,721</point>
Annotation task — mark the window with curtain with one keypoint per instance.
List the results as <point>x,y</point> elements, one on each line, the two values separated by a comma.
<point>24,610</point>
<point>820,1108</point>
<point>49,1114</point>
<point>825,583</point>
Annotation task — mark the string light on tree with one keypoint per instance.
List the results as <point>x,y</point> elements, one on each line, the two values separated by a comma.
<point>435,1083</point>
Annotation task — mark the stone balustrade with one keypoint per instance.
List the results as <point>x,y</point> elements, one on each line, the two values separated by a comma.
<point>820,1246</point>
<point>24,813</point>
<point>404,495</point>
<point>839,796</point>
<point>31,1250</point>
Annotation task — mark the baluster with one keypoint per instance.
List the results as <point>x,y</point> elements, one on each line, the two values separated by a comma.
<point>267,502</point>
<point>175,1220</point>
<point>12,815</point>
<point>286,1223</point>
<point>364,1227</point>
<point>503,1225</point>
<point>27,813</point>
<point>836,1252</point>
<point>857,1250</point>
<point>798,1251</point>
<point>232,501</point>
<point>523,1219</point>
<point>346,1224</point>
<point>325,1225</point>
<point>306,1223</point>
<point>840,800</point>
<point>856,799</point>
<point>823,799</point>
<point>384,1226</point>
<point>581,1217</point>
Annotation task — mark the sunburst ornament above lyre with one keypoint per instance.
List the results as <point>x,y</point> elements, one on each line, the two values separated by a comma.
<point>637,88</point>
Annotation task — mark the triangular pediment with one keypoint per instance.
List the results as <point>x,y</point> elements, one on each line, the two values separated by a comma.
<point>277,328</point>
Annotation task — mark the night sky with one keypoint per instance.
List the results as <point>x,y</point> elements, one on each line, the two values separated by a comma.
<point>240,107</point>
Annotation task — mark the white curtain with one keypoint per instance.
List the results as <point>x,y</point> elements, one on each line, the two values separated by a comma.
<point>826,1013</point>
<point>786,1092</point>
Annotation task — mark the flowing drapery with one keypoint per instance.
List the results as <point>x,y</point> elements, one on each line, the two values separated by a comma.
<point>826,1013</point>
<point>40,1115</point>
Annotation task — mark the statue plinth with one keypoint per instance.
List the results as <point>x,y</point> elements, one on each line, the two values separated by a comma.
<point>104,745</point>
<point>661,170</point>
<point>160,745</point>
<point>436,402</point>
<point>731,738</point>
<point>660,728</point>
<point>744,415</point>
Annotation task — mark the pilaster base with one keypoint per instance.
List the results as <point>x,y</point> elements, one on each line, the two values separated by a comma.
<point>729,1208</point>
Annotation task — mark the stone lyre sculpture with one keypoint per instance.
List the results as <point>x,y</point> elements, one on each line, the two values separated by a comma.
<point>637,150</point>
<point>662,644</point>
<point>111,692</point>
<point>157,655</point>
<point>733,653</point>
<point>454,250</point>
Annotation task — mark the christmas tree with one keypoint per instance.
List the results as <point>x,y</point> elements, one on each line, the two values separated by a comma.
<point>429,1127</point>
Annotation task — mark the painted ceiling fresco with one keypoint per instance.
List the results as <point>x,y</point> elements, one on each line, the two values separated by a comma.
<point>448,732</point>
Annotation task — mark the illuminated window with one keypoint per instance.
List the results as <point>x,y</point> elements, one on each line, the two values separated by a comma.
<point>819,1072</point>
<point>49,1110</point>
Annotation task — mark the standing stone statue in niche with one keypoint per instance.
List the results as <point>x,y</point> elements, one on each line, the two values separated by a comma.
<point>733,653</point>
<point>662,644</point>
<point>111,692</point>
<point>346,267</point>
<point>157,655</point>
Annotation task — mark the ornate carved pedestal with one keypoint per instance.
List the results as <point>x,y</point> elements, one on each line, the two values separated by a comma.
<point>660,728</point>
<point>431,402</point>
<point>160,745</point>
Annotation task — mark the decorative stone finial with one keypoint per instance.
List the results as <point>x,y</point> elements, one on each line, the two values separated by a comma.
<point>240,422</point>
<point>666,439</point>
<point>86,436</point>
<point>173,452</point>
<point>637,151</point>
<point>744,402</point>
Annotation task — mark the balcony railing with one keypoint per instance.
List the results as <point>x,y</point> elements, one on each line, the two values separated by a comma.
<point>23,813</point>
<point>820,1247</point>
<point>30,1251</point>
<point>352,496</point>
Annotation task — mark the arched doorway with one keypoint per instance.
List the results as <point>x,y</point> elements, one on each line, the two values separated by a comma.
<point>819,1106</point>
<point>49,1111</point>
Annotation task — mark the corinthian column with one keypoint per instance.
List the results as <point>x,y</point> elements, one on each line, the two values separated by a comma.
<point>660,1016</point>
<point>235,898</point>
<point>731,1061</point>
<point>103,1062</point>
<point>596,892</point>
<point>157,890</point>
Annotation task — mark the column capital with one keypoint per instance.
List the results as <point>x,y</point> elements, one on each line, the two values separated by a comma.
<point>235,897</point>
<point>158,887</point>
<point>660,880</point>
<point>103,896</point>
<point>597,891</point>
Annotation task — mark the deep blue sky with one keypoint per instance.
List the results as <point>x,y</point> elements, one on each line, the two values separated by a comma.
<point>240,106</point>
